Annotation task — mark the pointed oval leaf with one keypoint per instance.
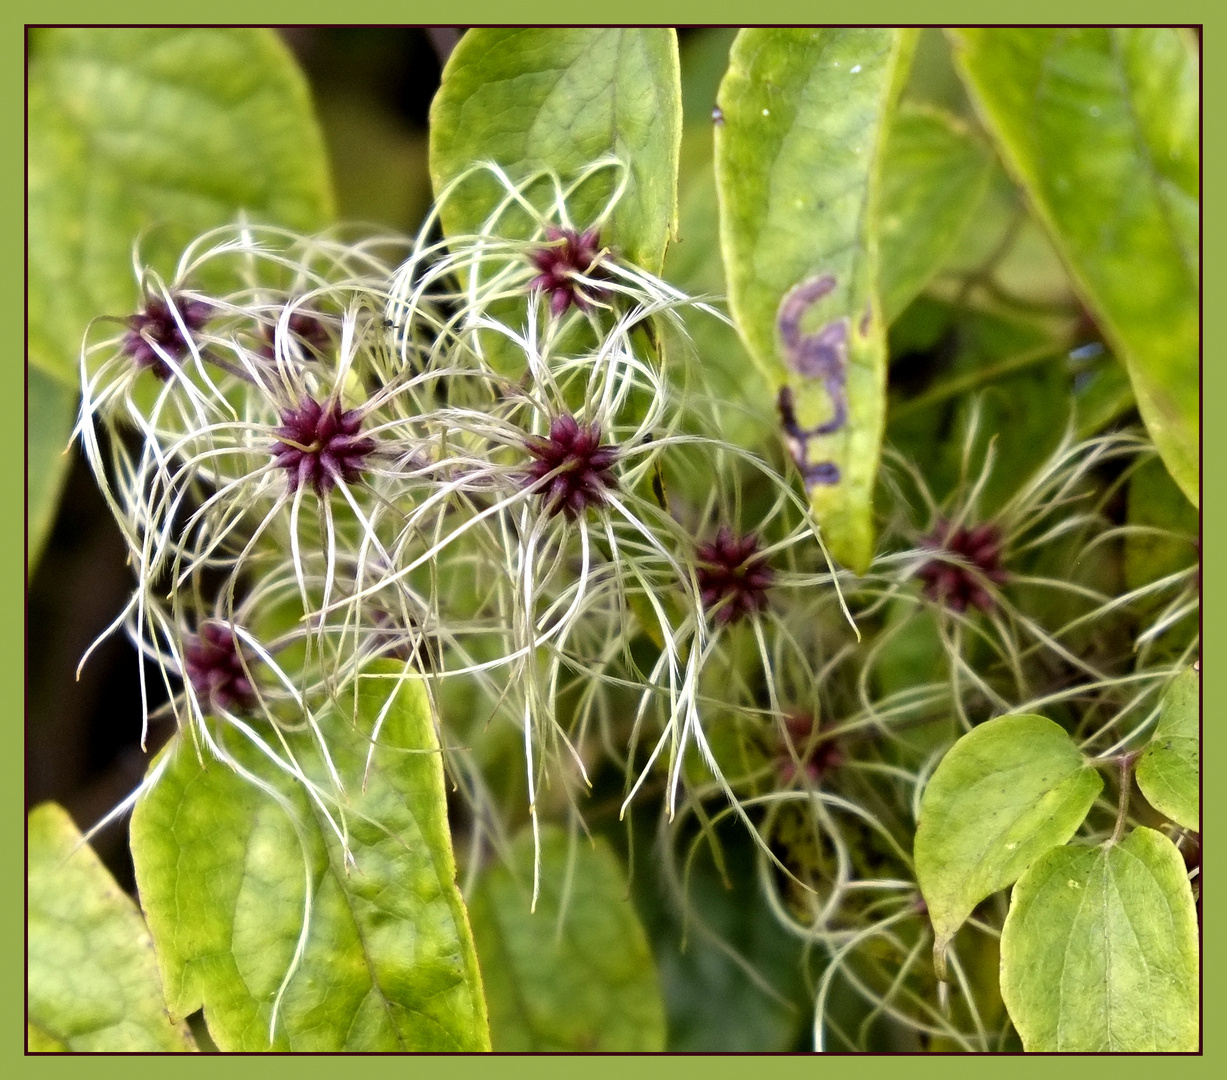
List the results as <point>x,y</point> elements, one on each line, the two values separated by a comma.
<point>561,99</point>
<point>1099,951</point>
<point>388,962</point>
<point>1101,126</point>
<point>156,134</point>
<point>92,978</point>
<point>934,175</point>
<point>799,150</point>
<point>1170,769</point>
<point>1006,792</point>
<point>577,973</point>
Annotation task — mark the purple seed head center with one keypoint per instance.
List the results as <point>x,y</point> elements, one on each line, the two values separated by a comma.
<point>734,576</point>
<point>321,444</point>
<point>571,468</point>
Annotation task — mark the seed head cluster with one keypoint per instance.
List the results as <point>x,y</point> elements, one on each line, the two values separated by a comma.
<point>363,479</point>
<point>320,444</point>
<point>377,483</point>
<point>214,665</point>
<point>566,256</point>
<point>154,333</point>
<point>969,557</point>
<point>733,576</point>
<point>572,468</point>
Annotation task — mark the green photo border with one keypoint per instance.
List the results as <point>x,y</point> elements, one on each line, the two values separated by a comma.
<point>687,12</point>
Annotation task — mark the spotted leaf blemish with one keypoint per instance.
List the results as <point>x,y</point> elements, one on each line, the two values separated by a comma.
<point>820,355</point>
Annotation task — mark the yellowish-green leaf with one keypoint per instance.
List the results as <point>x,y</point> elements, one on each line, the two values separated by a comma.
<point>92,979</point>
<point>39,1041</point>
<point>693,265</point>
<point>1169,771</point>
<point>1006,792</point>
<point>1100,125</point>
<point>799,150</point>
<point>156,135</point>
<point>387,963</point>
<point>1099,951</point>
<point>561,99</point>
<point>576,974</point>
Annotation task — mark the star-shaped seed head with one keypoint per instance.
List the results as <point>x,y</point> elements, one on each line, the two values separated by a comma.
<point>213,663</point>
<point>155,327</point>
<point>572,470</point>
<point>957,584</point>
<point>733,576</point>
<point>566,256</point>
<point>321,444</point>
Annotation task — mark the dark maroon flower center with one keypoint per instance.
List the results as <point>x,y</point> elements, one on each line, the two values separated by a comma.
<point>566,256</point>
<point>155,333</point>
<point>816,760</point>
<point>969,559</point>
<point>305,327</point>
<point>213,664</point>
<point>571,469</point>
<point>321,444</point>
<point>733,576</point>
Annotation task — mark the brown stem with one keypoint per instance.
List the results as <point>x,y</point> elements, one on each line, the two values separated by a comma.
<point>1126,783</point>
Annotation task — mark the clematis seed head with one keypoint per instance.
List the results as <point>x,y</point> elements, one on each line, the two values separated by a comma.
<point>320,444</point>
<point>566,255</point>
<point>817,760</point>
<point>155,327</point>
<point>958,584</point>
<point>733,576</point>
<point>213,663</point>
<point>305,327</point>
<point>572,468</point>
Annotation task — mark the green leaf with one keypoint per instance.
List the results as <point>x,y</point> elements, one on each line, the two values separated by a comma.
<point>1100,126</point>
<point>40,1042</point>
<point>388,962</point>
<point>576,974</point>
<point>562,99</point>
<point>93,982</point>
<point>1006,792</point>
<point>52,410</point>
<point>693,265</point>
<point>156,135</point>
<point>734,979</point>
<point>798,155</point>
<point>933,177</point>
<point>1163,527</point>
<point>1007,375</point>
<point>1170,769</point>
<point>1099,951</point>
